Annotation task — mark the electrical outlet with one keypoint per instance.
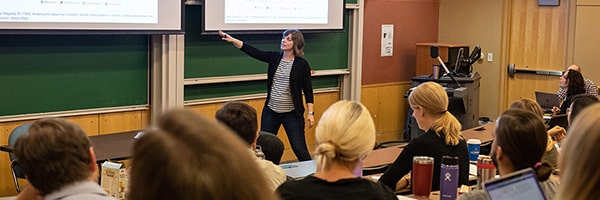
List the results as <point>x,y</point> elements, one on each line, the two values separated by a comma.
<point>490,57</point>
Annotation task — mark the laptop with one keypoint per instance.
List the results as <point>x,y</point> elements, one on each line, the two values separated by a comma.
<point>521,184</point>
<point>547,100</point>
<point>559,120</point>
<point>299,170</point>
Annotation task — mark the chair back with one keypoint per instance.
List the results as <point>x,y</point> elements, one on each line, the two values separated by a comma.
<point>16,134</point>
<point>271,146</point>
<point>12,139</point>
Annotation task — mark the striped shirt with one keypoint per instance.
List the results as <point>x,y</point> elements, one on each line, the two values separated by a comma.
<point>281,98</point>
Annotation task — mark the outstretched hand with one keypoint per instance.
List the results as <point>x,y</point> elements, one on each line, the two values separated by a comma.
<point>226,37</point>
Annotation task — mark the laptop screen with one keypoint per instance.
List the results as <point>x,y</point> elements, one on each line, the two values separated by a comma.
<point>517,185</point>
<point>547,100</point>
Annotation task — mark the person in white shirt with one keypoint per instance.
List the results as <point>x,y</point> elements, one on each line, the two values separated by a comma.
<point>241,118</point>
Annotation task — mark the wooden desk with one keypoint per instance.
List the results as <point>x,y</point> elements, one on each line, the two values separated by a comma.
<point>382,156</point>
<point>485,134</point>
<point>115,146</point>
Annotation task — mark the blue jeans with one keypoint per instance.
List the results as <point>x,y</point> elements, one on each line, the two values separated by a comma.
<point>294,128</point>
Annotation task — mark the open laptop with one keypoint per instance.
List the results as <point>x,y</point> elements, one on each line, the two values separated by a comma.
<point>521,184</point>
<point>547,100</point>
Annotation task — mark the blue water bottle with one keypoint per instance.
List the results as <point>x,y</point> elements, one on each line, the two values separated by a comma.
<point>449,178</point>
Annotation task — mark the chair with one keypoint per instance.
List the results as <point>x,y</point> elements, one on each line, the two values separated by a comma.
<point>271,146</point>
<point>17,170</point>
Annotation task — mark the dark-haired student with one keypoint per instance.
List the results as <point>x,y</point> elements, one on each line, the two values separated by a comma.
<point>59,161</point>
<point>241,118</point>
<point>520,140</point>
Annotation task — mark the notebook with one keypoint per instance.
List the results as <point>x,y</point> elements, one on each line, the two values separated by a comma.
<point>521,184</point>
<point>547,100</point>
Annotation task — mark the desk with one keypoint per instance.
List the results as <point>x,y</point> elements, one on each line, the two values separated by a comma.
<point>484,134</point>
<point>383,156</point>
<point>115,146</point>
<point>376,158</point>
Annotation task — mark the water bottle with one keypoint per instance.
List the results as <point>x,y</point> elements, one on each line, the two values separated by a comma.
<point>449,178</point>
<point>259,153</point>
<point>485,170</point>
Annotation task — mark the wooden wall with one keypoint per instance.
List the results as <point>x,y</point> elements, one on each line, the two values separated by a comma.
<point>585,44</point>
<point>478,23</point>
<point>388,107</point>
<point>95,124</point>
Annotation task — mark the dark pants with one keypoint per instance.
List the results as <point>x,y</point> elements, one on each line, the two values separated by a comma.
<point>294,128</point>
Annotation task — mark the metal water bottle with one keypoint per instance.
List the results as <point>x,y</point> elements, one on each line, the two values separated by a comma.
<point>485,170</point>
<point>259,153</point>
<point>449,178</point>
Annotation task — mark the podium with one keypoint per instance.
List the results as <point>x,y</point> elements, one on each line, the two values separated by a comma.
<point>448,53</point>
<point>463,101</point>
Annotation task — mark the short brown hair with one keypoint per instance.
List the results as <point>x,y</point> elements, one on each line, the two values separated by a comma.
<point>192,157</point>
<point>54,153</point>
<point>241,118</point>
<point>523,138</point>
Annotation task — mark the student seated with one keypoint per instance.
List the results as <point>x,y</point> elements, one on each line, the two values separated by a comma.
<point>573,82</point>
<point>579,163</point>
<point>344,135</point>
<point>241,118</point>
<point>59,162</point>
<point>551,153</point>
<point>579,102</point>
<point>192,157</point>
<point>429,102</point>
<point>520,140</point>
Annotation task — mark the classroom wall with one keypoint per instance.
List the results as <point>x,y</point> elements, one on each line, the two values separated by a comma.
<point>414,21</point>
<point>385,80</point>
<point>95,124</point>
<point>477,23</point>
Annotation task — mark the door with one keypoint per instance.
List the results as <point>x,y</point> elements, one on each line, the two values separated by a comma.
<point>536,39</point>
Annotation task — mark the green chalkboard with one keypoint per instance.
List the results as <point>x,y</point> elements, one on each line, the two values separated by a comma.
<point>209,56</point>
<point>193,92</point>
<point>47,73</point>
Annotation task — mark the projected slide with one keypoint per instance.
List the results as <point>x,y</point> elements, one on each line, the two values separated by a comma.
<point>80,11</point>
<point>276,11</point>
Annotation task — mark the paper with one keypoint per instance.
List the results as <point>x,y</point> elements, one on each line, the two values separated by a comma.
<point>387,40</point>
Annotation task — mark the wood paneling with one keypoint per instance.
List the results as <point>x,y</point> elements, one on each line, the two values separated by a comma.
<point>89,123</point>
<point>537,40</point>
<point>388,107</point>
<point>479,23</point>
<point>119,122</point>
<point>585,52</point>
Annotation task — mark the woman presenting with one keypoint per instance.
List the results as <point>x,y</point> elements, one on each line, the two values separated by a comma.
<point>288,76</point>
